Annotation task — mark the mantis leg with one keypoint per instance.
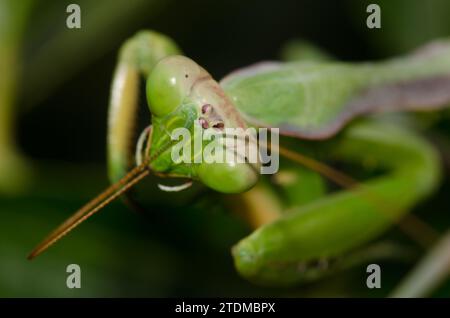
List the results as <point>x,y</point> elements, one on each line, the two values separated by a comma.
<point>137,57</point>
<point>268,200</point>
<point>329,230</point>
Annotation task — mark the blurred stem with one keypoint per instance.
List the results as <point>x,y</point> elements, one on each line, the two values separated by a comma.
<point>12,22</point>
<point>433,270</point>
<point>67,51</point>
<point>54,58</point>
<point>7,86</point>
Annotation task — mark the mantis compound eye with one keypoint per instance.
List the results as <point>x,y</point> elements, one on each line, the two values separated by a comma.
<point>177,81</point>
<point>228,177</point>
<point>228,169</point>
<point>170,82</point>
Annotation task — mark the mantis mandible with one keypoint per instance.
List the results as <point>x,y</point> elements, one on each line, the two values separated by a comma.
<point>324,102</point>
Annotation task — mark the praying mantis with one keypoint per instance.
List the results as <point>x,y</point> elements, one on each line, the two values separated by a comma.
<point>322,110</point>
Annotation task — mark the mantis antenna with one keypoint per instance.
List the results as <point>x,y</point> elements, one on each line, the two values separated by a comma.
<point>414,227</point>
<point>107,196</point>
<point>93,206</point>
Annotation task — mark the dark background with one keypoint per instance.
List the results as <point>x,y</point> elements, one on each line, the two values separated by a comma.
<point>60,110</point>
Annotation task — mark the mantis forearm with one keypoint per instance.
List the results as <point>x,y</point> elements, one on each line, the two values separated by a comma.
<point>137,57</point>
<point>289,250</point>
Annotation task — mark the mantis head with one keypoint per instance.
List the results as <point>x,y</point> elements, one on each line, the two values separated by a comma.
<point>182,95</point>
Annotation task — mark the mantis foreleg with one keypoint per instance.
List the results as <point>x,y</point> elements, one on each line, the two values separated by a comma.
<point>289,250</point>
<point>137,57</point>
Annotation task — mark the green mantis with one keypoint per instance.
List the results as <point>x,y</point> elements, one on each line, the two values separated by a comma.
<point>316,105</point>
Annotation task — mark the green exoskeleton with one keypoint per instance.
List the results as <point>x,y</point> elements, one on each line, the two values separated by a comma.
<point>302,232</point>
